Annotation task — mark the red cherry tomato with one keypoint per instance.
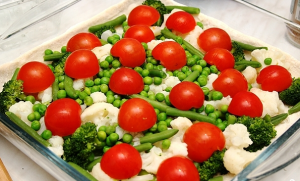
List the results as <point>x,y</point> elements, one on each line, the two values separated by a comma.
<point>274,78</point>
<point>136,115</point>
<point>130,51</point>
<point>220,57</point>
<point>141,33</point>
<point>83,41</point>
<point>214,38</point>
<point>202,140</point>
<point>230,82</point>
<point>62,117</point>
<point>126,81</point>
<point>246,103</point>
<point>82,64</point>
<point>171,55</point>
<point>36,77</point>
<point>181,21</point>
<point>186,95</point>
<point>121,161</point>
<point>177,168</point>
<point>143,15</point>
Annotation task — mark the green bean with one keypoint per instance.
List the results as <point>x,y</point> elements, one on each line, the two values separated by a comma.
<point>191,10</point>
<point>115,22</point>
<point>14,118</point>
<point>160,106</point>
<point>157,73</point>
<point>295,108</point>
<point>55,89</point>
<point>93,163</point>
<point>193,76</point>
<point>253,64</point>
<point>143,147</point>
<point>217,178</point>
<point>249,47</point>
<point>158,136</point>
<point>71,92</point>
<point>53,57</point>
<point>82,171</point>
<point>240,67</point>
<point>279,118</point>
<point>14,77</point>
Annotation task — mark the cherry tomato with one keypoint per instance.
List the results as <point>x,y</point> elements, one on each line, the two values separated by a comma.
<point>202,140</point>
<point>36,77</point>
<point>143,15</point>
<point>130,51</point>
<point>121,161</point>
<point>220,57</point>
<point>62,117</point>
<point>181,21</point>
<point>136,115</point>
<point>82,64</point>
<point>83,41</point>
<point>177,168</point>
<point>142,33</point>
<point>230,82</point>
<point>246,103</point>
<point>126,81</point>
<point>186,95</point>
<point>274,78</point>
<point>171,55</point>
<point>214,38</point>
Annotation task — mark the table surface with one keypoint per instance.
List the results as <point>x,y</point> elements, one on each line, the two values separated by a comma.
<point>22,168</point>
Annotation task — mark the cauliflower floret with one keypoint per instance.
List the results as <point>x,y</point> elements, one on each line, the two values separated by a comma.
<point>191,36</point>
<point>153,43</point>
<point>219,103</point>
<point>56,145</point>
<point>102,52</point>
<point>98,173</point>
<point>102,114</point>
<point>272,105</point>
<point>176,148</point>
<point>43,126</point>
<point>210,79</point>
<point>46,95</point>
<point>235,159</point>
<point>237,135</point>
<point>22,110</point>
<point>152,159</point>
<point>78,84</point>
<point>98,97</point>
<point>141,178</point>
<point>171,81</point>
<point>182,124</point>
<point>156,30</point>
<point>157,88</point>
<point>120,132</point>
<point>250,74</point>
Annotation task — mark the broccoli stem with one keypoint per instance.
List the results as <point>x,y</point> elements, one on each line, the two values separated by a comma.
<point>188,9</point>
<point>249,47</point>
<point>158,136</point>
<point>143,147</point>
<point>294,109</point>
<point>157,73</point>
<point>93,163</point>
<point>193,76</point>
<point>14,118</point>
<point>82,171</point>
<point>218,178</point>
<point>53,57</point>
<point>168,34</point>
<point>253,64</point>
<point>275,120</point>
<point>15,75</point>
<point>115,22</point>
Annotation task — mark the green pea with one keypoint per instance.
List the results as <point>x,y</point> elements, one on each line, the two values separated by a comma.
<point>146,88</point>
<point>157,80</point>
<point>166,144</point>
<point>209,109</point>
<point>31,117</point>
<point>61,78</point>
<point>187,73</point>
<point>36,125</point>
<point>148,80</point>
<point>216,95</point>
<point>144,93</point>
<point>110,129</point>
<point>61,85</point>
<point>122,102</point>
<point>154,62</point>
<point>170,73</point>
<point>114,137</point>
<point>138,70</point>
<point>115,64</point>
<point>36,107</point>
<point>87,90</point>
<point>102,128</point>
<point>179,40</point>
<point>88,100</point>
<point>63,49</point>
<point>145,45</point>
<point>205,90</point>
<point>104,88</point>
<point>107,73</point>
<point>221,126</point>
<point>47,134</point>
<point>191,61</point>
<point>152,97</point>
<point>79,101</point>
<point>153,128</point>
<point>95,89</point>
<point>104,80</point>
<point>202,63</point>
<point>213,115</point>
<point>167,100</point>
<point>61,94</point>
<point>219,121</point>
<point>89,83</point>
<point>145,73</point>
<point>149,66</point>
<point>205,73</point>
<point>231,119</point>
<point>181,76</point>
<point>162,127</point>
<point>268,61</point>
<point>224,108</point>
<point>162,116</point>
<point>168,121</point>
<point>127,138</point>
<point>149,53</point>
<point>110,93</point>
<point>100,74</point>
<point>175,73</point>
<point>48,52</point>
<point>30,98</point>
<point>104,64</point>
<point>105,149</point>
<point>117,103</point>
<point>213,69</point>
<point>184,69</point>
<point>201,109</point>
<point>109,59</point>
<point>112,70</point>
<point>82,95</point>
<point>202,80</point>
<point>110,99</point>
<point>51,67</point>
<point>160,97</point>
<point>188,54</point>
<point>42,109</point>
<point>157,111</point>
<point>197,67</point>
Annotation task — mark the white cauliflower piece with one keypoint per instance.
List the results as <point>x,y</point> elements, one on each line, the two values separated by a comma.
<point>236,135</point>
<point>250,74</point>
<point>191,36</point>
<point>152,159</point>
<point>171,81</point>
<point>56,145</point>
<point>45,95</point>
<point>210,79</point>
<point>157,88</point>
<point>120,132</point>
<point>141,178</point>
<point>102,52</point>
<point>156,30</point>
<point>182,124</point>
<point>106,34</point>
<point>154,43</point>
<point>43,126</point>
<point>272,105</point>
<point>78,84</point>
<point>219,103</point>
<point>101,113</point>
<point>235,159</point>
<point>98,97</point>
<point>22,110</point>
<point>177,147</point>
<point>99,174</point>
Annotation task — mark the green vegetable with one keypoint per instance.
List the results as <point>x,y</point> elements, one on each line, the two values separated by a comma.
<point>217,178</point>
<point>160,7</point>
<point>82,171</point>
<point>143,147</point>
<point>261,131</point>
<point>191,10</point>
<point>59,64</point>
<point>71,92</point>
<point>253,64</point>
<point>157,73</point>
<point>35,125</point>
<point>47,134</point>
<point>193,76</point>
<point>55,89</point>
<point>248,47</point>
<point>93,163</point>
<point>268,61</point>
<point>291,96</point>
<point>158,136</point>
<point>278,118</point>
<point>237,51</point>
<point>54,56</point>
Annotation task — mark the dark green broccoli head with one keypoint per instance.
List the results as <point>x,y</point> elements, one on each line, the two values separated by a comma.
<point>158,5</point>
<point>104,28</point>
<point>291,96</point>
<point>12,90</point>
<point>60,65</point>
<point>237,51</point>
<point>261,131</point>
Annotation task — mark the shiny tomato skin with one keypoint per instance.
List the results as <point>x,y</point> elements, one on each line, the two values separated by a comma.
<point>143,15</point>
<point>181,21</point>
<point>136,115</point>
<point>83,41</point>
<point>142,33</point>
<point>202,140</point>
<point>62,117</point>
<point>36,77</point>
<point>186,95</point>
<point>220,57</point>
<point>246,103</point>
<point>214,38</point>
<point>126,81</point>
<point>82,64</point>
<point>274,78</point>
<point>130,51</point>
<point>121,161</point>
<point>170,54</point>
<point>230,82</point>
<point>177,168</point>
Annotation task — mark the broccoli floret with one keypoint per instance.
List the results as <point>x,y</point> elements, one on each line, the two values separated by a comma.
<point>104,28</point>
<point>11,94</point>
<point>79,147</point>
<point>291,96</point>
<point>60,65</point>
<point>212,166</point>
<point>237,51</point>
<point>261,131</point>
<point>160,7</point>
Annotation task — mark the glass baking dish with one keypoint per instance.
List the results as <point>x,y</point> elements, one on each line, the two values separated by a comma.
<point>224,10</point>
